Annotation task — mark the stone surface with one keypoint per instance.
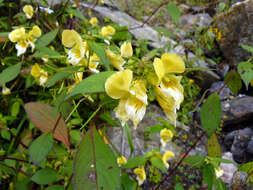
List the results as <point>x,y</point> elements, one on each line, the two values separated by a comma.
<point>188,21</point>
<point>237,110</point>
<point>236,27</point>
<point>228,169</point>
<point>224,94</point>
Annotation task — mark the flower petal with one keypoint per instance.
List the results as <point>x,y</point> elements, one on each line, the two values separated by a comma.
<point>28,9</point>
<point>120,111</point>
<point>17,35</point>
<point>117,85</point>
<point>159,68</point>
<point>173,63</point>
<point>126,49</point>
<point>116,60</point>
<point>70,38</point>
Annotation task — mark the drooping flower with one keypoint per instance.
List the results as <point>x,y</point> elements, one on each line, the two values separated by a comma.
<point>132,95</point>
<point>28,10</point>
<point>121,160</point>
<point>107,32</point>
<point>116,60</point>
<point>71,39</point>
<point>93,21</point>
<point>39,74</point>
<point>169,91</point>
<point>94,61</point>
<point>23,39</point>
<point>5,90</point>
<point>126,49</point>
<point>166,156</point>
<point>141,175</point>
<point>166,135</point>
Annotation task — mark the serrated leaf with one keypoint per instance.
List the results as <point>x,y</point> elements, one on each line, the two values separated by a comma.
<point>92,84</point>
<point>9,73</point>
<point>194,161</point>
<point>213,146</point>
<point>46,39</point>
<point>234,83</point>
<point>42,116</point>
<point>158,163</point>
<point>134,162</point>
<point>99,49</point>
<point>128,134</point>
<point>45,176</point>
<point>40,147</point>
<point>95,165</point>
<point>245,69</point>
<point>174,12</point>
<point>210,113</point>
<point>247,48</point>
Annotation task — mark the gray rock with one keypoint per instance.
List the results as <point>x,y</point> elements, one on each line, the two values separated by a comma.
<point>237,110</point>
<point>224,94</point>
<point>239,181</point>
<point>236,27</point>
<point>250,148</point>
<point>188,21</point>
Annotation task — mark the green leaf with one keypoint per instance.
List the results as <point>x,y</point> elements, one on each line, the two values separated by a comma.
<point>178,187</point>
<point>221,6</point>
<point>174,12</point>
<point>95,165</point>
<point>194,161</point>
<point>43,117</point>
<point>106,116</point>
<point>134,162</point>
<point>55,187</point>
<point>45,176</point>
<point>164,31</point>
<point>219,184</point>
<point>92,84</point>
<point>234,83</point>
<point>61,75</point>
<point>99,49</point>
<point>213,146</point>
<point>127,183</point>
<point>40,147</point>
<point>208,176</point>
<point>247,48</point>
<point>47,53</point>
<point>9,73</point>
<point>218,159</point>
<point>4,34</point>
<point>46,39</point>
<point>15,108</point>
<point>210,113</point>
<point>76,13</point>
<point>158,163</point>
<point>246,167</point>
<point>245,70</point>
<point>129,137</point>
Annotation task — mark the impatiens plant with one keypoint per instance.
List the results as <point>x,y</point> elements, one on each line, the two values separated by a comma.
<point>79,73</point>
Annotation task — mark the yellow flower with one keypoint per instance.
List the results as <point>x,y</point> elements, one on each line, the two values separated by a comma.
<point>166,135</point>
<point>116,60</point>
<point>141,175</point>
<point>166,156</point>
<point>107,31</point>
<point>70,38</point>
<point>36,32</point>
<point>39,74</point>
<point>17,35</point>
<point>93,21</point>
<point>78,77</point>
<point>28,9</point>
<point>94,61</point>
<point>126,49</point>
<point>218,172</point>
<point>121,161</point>
<point>132,95</point>
<point>168,64</point>
<point>5,90</point>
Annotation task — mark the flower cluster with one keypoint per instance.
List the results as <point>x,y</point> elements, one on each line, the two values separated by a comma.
<point>23,39</point>
<point>39,74</point>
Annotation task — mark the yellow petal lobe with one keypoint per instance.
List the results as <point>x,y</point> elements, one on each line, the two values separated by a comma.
<point>70,38</point>
<point>173,63</point>
<point>126,49</point>
<point>28,10</point>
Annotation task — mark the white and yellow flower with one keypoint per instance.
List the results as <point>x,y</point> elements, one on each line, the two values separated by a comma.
<point>5,90</point>
<point>218,172</point>
<point>132,95</point>
<point>141,175</point>
<point>93,21</point>
<point>107,32</point>
<point>166,156</point>
<point>94,61</point>
<point>71,39</point>
<point>121,160</point>
<point>116,60</point>
<point>39,74</point>
<point>126,50</point>
<point>166,136</point>
<point>28,10</point>
<point>23,40</point>
<point>169,91</point>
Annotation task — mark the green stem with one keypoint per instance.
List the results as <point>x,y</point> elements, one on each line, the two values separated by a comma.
<point>76,106</point>
<point>91,117</point>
